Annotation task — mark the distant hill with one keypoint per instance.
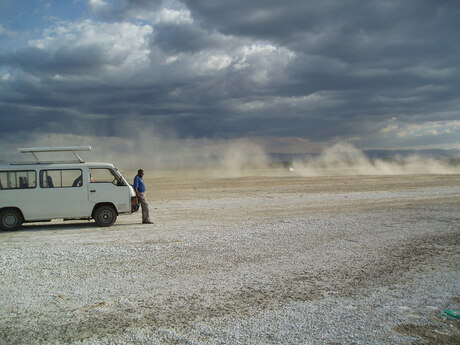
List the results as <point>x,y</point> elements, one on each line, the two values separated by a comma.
<point>431,153</point>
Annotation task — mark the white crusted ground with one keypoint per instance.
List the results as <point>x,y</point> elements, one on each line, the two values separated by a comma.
<point>245,261</point>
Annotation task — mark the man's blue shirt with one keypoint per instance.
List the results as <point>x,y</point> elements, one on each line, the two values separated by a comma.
<point>139,184</point>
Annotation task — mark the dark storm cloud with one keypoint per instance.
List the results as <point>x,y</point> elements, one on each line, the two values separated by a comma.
<point>351,43</point>
<point>183,38</point>
<point>321,70</point>
<point>381,52</point>
<point>264,19</point>
<point>348,27</point>
<point>67,60</point>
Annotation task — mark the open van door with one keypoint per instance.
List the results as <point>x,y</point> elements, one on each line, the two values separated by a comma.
<point>107,186</point>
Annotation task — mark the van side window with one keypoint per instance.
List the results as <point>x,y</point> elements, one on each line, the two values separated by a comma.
<point>20,179</point>
<point>104,176</point>
<point>61,178</point>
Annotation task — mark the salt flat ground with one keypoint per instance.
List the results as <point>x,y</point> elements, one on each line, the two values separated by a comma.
<point>250,260</point>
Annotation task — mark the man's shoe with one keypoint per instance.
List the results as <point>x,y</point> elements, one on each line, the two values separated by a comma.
<point>147,222</point>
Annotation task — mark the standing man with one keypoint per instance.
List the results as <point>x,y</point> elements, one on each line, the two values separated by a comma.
<point>139,188</point>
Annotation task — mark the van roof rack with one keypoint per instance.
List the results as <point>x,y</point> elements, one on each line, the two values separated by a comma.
<point>34,150</point>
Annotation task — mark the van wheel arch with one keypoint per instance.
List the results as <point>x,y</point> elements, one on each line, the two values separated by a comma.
<point>11,218</point>
<point>105,214</point>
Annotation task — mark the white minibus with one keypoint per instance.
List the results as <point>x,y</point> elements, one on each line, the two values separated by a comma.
<point>41,191</point>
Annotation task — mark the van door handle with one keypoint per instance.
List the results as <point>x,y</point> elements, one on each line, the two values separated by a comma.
<point>93,191</point>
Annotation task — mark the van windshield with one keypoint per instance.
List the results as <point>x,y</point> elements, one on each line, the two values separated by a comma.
<point>105,175</point>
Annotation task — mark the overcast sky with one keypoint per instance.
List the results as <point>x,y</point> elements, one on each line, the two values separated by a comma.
<point>291,76</point>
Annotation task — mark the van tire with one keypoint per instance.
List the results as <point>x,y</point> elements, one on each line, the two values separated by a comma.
<point>105,215</point>
<point>10,219</point>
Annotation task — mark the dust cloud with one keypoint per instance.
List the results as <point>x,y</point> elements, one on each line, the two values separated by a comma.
<point>154,148</point>
<point>345,159</point>
<point>159,150</point>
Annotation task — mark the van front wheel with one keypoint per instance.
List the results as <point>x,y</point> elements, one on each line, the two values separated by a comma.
<point>105,215</point>
<point>10,219</point>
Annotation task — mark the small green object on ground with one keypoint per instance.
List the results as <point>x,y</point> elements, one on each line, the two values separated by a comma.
<point>451,314</point>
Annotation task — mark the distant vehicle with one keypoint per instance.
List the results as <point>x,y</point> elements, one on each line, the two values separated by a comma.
<point>45,190</point>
